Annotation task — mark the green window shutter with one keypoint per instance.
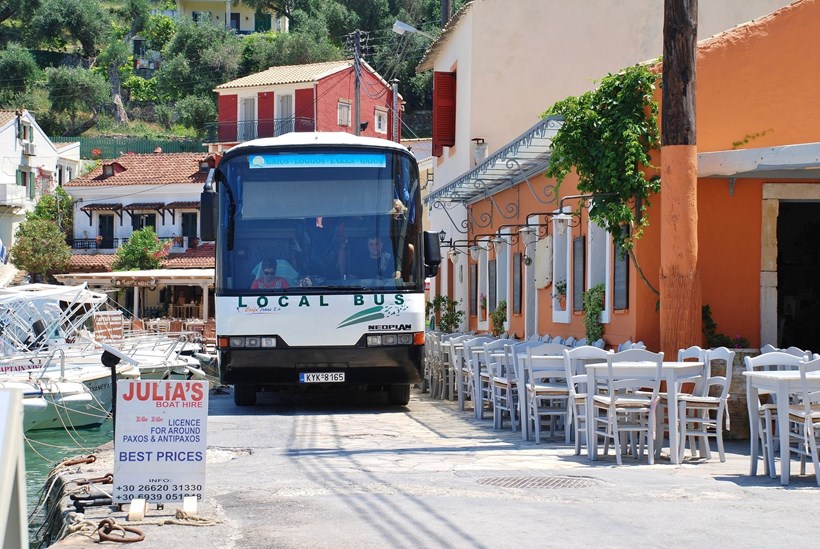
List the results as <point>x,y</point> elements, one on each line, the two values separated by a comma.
<point>19,177</point>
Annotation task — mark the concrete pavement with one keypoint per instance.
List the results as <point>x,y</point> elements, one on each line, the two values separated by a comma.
<point>356,473</point>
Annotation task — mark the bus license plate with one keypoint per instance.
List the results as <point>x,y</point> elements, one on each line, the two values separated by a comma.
<point>321,377</point>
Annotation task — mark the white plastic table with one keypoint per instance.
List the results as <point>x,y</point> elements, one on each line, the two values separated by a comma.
<point>671,372</point>
<point>781,383</point>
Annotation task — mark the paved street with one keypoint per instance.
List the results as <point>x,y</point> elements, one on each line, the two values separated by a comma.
<point>357,473</point>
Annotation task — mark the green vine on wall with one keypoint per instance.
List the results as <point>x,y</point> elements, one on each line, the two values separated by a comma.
<point>606,137</point>
<point>498,317</point>
<point>593,307</point>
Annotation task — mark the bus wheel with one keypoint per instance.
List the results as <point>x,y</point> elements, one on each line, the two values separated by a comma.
<point>244,395</point>
<point>398,394</point>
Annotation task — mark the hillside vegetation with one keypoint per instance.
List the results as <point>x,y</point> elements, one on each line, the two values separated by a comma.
<point>71,62</point>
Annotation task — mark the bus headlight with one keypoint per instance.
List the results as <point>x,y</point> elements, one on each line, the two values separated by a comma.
<point>389,340</point>
<point>252,342</point>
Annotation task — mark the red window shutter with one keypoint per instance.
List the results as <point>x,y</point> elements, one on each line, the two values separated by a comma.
<point>444,111</point>
<point>227,105</point>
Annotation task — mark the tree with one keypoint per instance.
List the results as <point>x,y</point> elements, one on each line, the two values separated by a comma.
<point>196,111</point>
<point>143,251</point>
<point>57,207</point>
<point>19,69</point>
<point>263,50</point>
<point>17,8</point>
<point>73,90</point>
<point>40,248</point>
<point>200,57</point>
<point>63,21</point>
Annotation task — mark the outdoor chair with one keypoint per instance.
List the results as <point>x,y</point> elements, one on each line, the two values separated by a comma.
<point>707,406</point>
<point>804,421</point>
<point>575,360</point>
<point>628,402</point>
<point>504,393</point>
<point>765,409</point>
<point>547,393</point>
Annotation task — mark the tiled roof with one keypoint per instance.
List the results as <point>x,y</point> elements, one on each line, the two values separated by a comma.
<point>147,169</point>
<point>101,206</point>
<point>287,74</point>
<point>201,257</point>
<point>85,263</point>
<point>6,117</point>
<point>144,206</point>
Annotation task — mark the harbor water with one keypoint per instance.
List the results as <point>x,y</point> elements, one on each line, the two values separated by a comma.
<point>44,450</point>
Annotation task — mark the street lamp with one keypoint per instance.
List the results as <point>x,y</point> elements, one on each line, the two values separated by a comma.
<point>401,28</point>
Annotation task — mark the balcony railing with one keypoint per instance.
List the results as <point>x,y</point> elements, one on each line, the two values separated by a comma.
<point>246,130</point>
<point>178,243</point>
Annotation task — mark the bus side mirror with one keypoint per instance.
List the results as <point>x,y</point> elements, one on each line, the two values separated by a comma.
<point>208,209</point>
<point>432,254</point>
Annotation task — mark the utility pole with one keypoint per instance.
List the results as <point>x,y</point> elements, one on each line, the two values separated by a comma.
<point>357,69</point>
<point>395,133</point>
<point>680,273</point>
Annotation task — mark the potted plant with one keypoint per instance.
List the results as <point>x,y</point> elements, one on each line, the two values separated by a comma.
<point>498,318</point>
<point>450,318</point>
<point>482,305</point>
<point>560,292</point>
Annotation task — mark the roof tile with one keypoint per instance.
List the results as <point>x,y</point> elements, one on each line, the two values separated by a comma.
<point>201,257</point>
<point>287,74</point>
<point>148,169</point>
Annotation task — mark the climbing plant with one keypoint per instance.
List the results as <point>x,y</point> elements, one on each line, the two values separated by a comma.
<point>593,306</point>
<point>606,137</point>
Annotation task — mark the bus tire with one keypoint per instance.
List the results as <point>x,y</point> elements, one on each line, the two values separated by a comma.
<point>244,395</point>
<point>398,395</point>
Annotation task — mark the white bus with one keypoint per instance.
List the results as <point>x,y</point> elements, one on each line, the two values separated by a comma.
<point>320,264</point>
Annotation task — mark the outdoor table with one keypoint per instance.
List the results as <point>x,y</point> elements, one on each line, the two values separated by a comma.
<point>671,372</point>
<point>781,383</point>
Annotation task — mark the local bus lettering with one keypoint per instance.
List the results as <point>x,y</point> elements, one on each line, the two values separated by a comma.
<point>359,300</point>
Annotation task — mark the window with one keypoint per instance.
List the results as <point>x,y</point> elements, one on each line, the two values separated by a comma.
<point>344,112</point>
<point>473,289</point>
<point>492,286</point>
<point>516,301</point>
<point>599,264</point>
<point>621,277</point>
<point>444,111</point>
<point>142,220</point>
<point>578,264</point>
<point>381,120</point>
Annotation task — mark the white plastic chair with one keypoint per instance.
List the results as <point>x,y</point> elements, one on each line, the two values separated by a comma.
<point>766,410</point>
<point>574,367</point>
<point>625,345</point>
<point>804,421</point>
<point>709,409</point>
<point>626,406</point>
<point>600,343</point>
<point>570,341</point>
<point>580,342</point>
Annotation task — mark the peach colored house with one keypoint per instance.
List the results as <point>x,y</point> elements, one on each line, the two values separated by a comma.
<point>758,207</point>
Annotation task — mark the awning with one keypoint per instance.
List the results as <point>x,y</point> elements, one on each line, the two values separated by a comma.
<point>154,277</point>
<point>144,206</point>
<point>527,155</point>
<point>183,205</point>
<point>101,206</point>
<point>786,162</point>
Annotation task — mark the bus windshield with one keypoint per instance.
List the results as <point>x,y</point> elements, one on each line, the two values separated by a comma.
<point>319,219</point>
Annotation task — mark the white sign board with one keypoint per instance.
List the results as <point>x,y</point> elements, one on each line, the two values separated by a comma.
<point>160,440</point>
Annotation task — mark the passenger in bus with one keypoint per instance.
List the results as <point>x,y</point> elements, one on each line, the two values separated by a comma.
<point>376,263</point>
<point>269,279</point>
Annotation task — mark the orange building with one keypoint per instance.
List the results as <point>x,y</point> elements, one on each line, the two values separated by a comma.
<point>758,196</point>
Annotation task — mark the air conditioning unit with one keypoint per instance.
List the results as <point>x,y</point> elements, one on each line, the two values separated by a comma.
<point>29,149</point>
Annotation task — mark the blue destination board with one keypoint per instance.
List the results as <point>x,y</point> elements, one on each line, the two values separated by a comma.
<point>329,160</point>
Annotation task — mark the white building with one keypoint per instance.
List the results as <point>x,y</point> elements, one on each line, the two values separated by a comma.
<point>31,166</point>
<point>499,65</point>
